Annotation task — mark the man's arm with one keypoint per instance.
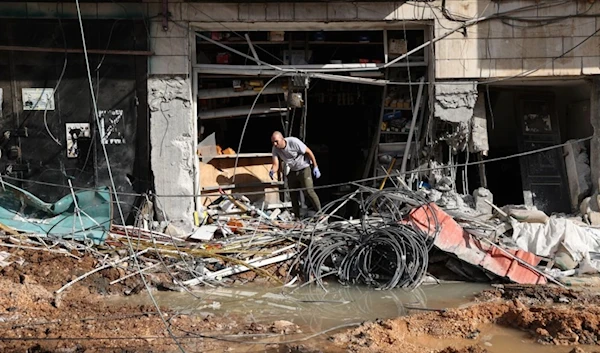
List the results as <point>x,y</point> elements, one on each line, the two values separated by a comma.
<point>275,167</point>
<point>311,156</point>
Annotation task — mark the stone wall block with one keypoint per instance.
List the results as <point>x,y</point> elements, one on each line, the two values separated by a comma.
<point>209,12</point>
<point>340,11</point>
<point>280,12</point>
<point>168,65</point>
<point>310,11</point>
<point>253,12</point>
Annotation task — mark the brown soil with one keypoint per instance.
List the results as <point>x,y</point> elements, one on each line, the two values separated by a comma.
<point>35,319</point>
<point>469,349</point>
<point>53,270</point>
<point>558,324</point>
<point>540,295</point>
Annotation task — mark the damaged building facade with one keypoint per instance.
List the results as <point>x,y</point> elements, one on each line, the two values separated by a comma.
<point>370,86</point>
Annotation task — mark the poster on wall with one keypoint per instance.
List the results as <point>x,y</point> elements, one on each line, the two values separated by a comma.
<point>38,98</point>
<point>74,132</point>
<point>112,127</point>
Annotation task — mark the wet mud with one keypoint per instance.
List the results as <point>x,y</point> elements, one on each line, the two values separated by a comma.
<point>85,318</point>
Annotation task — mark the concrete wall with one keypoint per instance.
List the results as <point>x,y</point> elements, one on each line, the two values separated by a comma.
<point>172,151</point>
<point>120,82</point>
<point>304,12</point>
<point>496,49</point>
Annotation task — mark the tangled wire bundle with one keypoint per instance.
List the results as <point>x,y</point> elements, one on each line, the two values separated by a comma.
<point>384,251</point>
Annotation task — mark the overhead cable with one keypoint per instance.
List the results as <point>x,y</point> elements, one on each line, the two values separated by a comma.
<point>112,181</point>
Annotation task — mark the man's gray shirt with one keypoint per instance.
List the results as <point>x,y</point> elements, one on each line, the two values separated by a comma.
<point>293,154</point>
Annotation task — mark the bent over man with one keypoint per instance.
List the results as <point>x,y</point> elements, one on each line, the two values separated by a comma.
<point>298,157</point>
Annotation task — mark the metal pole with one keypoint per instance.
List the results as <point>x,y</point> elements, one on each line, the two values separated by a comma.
<point>412,127</point>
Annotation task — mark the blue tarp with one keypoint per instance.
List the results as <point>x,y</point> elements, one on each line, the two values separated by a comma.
<point>22,211</point>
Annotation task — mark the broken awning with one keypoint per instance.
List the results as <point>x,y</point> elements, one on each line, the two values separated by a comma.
<point>24,212</point>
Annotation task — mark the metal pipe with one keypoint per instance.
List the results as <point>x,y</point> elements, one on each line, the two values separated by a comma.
<point>76,51</point>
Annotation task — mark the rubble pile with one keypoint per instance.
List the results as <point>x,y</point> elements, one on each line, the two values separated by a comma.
<point>387,245</point>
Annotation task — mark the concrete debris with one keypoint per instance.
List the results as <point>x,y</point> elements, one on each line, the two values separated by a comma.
<point>479,134</point>
<point>443,195</point>
<point>577,163</point>
<point>589,211</point>
<point>284,327</point>
<point>528,215</point>
<point>454,104</point>
<point>480,195</point>
<point>5,259</point>
<point>454,101</point>
<point>174,231</point>
<point>241,241</point>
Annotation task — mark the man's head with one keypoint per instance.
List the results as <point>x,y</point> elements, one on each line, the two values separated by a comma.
<point>277,140</point>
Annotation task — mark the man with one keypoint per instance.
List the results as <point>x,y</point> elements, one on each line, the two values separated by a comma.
<point>298,157</point>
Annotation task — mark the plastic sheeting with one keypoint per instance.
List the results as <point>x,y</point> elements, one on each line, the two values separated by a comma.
<point>544,239</point>
<point>22,211</point>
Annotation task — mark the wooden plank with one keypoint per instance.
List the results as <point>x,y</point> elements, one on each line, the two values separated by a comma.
<point>250,170</point>
<point>244,155</point>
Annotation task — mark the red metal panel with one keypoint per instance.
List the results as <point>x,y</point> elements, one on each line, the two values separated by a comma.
<point>452,238</point>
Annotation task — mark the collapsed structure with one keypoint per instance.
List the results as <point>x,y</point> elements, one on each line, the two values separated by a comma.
<point>469,103</point>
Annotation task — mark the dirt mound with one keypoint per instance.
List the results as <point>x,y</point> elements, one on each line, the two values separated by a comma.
<point>556,324</point>
<point>539,295</point>
<point>469,349</point>
<point>53,270</point>
<point>33,319</point>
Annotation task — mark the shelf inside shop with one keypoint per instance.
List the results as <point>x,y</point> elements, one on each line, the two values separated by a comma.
<point>230,112</point>
<point>344,43</point>
<point>262,42</point>
<point>211,93</point>
<point>206,68</point>
<point>394,133</point>
<point>258,42</point>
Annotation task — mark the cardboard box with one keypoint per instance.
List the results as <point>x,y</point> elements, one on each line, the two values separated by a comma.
<point>397,46</point>
<point>276,36</point>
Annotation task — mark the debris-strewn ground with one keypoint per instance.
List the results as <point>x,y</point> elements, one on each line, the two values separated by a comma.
<point>34,319</point>
<point>550,315</point>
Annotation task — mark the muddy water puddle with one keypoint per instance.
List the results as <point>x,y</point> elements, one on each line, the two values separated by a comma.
<point>314,308</point>
<point>317,311</point>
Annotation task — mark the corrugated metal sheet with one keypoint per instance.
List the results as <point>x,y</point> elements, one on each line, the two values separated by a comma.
<point>454,239</point>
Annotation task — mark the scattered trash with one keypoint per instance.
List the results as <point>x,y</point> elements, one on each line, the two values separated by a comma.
<point>388,244</point>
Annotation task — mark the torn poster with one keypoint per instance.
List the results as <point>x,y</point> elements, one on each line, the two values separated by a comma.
<point>74,132</point>
<point>87,219</point>
<point>38,98</point>
<point>112,127</point>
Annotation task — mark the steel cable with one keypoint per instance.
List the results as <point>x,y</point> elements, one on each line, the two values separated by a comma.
<point>385,249</point>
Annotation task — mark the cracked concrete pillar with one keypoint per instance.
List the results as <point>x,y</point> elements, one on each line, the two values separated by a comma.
<point>454,103</point>
<point>172,146</point>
